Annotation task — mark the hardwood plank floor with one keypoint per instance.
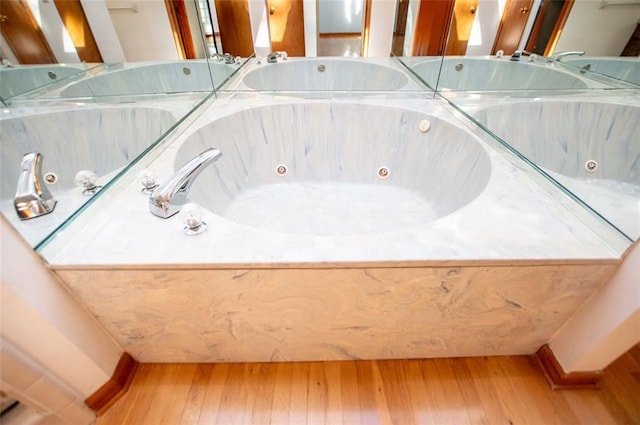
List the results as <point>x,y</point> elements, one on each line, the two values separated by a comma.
<point>481,390</point>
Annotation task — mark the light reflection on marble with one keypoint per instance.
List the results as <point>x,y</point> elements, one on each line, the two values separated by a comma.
<point>491,74</point>
<point>512,218</point>
<point>19,79</point>
<point>102,140</point>
<point>562,136</point>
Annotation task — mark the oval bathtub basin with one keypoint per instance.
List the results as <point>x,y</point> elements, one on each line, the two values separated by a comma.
<point>21,79</point>
<point>626,69</point>
<point>328,74</point>
<point>336,169</point>
<point>170,77</point>
<point>592,148</point>
<point>478,74</point>
<point>101,140</point>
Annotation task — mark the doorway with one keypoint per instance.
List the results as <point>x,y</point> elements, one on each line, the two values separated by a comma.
<point>23,34</point>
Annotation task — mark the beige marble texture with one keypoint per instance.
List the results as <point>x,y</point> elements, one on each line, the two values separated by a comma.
<point>210,314</point>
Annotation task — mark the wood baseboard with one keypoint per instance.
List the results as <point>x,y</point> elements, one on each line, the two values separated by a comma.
<point>558,379</point>
<point>115,387</point>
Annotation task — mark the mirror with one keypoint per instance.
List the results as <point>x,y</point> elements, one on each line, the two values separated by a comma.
<point>574,118</point>
<point>480,29</point>
<point>123,34</point>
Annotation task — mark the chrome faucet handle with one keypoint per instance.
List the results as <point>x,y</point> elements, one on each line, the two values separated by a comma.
<point>32,199</point>
<point>167,199</point>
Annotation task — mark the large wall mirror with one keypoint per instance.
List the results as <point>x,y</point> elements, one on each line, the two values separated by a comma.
<point>602,38</point>
<point>45,42</point>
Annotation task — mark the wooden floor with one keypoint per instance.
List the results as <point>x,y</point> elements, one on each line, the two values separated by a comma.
<point>483,390</point>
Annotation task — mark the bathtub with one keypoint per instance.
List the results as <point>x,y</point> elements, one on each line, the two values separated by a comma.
<point>626,69</point>
<point>313,252</point>
<point>491,74</point>
<point>324,74</point>
<point>152,78</point>
<point>21,79</point>
<point>565,137</point>
<point>102,140</point>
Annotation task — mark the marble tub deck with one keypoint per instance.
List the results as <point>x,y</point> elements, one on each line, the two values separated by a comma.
<point>498,276</point>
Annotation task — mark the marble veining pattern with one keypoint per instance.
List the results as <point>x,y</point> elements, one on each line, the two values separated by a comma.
<point>246,315</point>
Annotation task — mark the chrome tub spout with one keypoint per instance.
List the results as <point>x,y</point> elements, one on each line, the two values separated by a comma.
<point>32,199</point>
<point>560,55</point>
<point>167,199</point>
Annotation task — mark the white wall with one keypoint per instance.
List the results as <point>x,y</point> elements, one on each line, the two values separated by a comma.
<point>6,52</point>
<point>310,28</point>
<point>103,30</point>
<point>144,35</point>
<point>599,32</point>
<point>607,325</point>
<point>412,17</point>
<point>40,318</point>
<point>335,16</point>
<point>381,27</point>
<point>259,27</point>
<point>46,14</point>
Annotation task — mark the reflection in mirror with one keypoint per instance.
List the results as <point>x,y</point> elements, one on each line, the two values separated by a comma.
<point>340,27</point>
<point>542,27</point>
<point>591,147</point>
<point>70,32</point>
<point>72,141</point>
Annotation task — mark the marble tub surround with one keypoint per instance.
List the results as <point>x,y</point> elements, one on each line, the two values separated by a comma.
<point>209,314</point>
<point>72,138</point>
<point>327,74</point>
<point>590,147</point>
<point>139,78</point>
<point>500,221</point>
<point>490,73</point>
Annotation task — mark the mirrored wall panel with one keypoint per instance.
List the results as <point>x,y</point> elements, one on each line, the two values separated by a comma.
<point>523,44</point>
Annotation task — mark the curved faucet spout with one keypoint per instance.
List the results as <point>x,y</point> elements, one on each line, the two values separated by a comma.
<point>32,199</point>
<point>167,199</point>
<point>561,55</point>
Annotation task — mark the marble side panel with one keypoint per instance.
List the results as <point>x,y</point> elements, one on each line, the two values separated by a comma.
<point>295,314</point>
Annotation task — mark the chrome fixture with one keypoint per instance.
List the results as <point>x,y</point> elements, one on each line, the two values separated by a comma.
<point>167,199</point>
<point>88,180</point>
<point>226,58</point>
<point>273,56</point>
<point>517,55</point>
<point>193,222</point>
<point>148,180</point>
<point>281,170</point>
<point>383,172</point>
<point>591,165</point>
<point>558,56</point>
<point>32,199</point>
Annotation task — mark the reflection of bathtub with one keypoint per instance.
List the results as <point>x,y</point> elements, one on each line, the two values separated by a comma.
<point>101,140</point>
<point>324,74</point>
<point>21,79</point>
<point>152,78</point>
<point>561,137</point>
<point>493,74</point>
<point>330,261</point>
<point>627,69</point>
